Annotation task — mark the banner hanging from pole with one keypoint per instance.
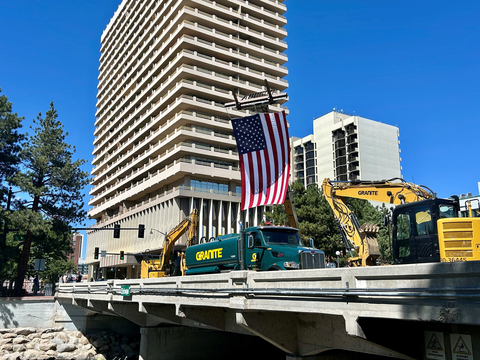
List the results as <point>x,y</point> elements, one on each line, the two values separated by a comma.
<point>264,151</point>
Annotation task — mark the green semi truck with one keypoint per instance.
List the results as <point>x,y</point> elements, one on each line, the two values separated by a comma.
<point>260,248</point>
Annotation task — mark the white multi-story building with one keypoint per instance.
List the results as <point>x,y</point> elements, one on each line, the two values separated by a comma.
<point>469,200</point>
<point>163,140</point>
<point>345,147</point>
<point>304,160</point>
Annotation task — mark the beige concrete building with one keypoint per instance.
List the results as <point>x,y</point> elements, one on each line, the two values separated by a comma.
<point>163,140</point>
<point>346,147</point>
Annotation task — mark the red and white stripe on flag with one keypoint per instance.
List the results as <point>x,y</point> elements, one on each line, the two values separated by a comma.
<point>264,151</point>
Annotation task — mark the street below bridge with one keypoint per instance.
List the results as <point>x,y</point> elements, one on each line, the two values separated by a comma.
<point>421,311</point>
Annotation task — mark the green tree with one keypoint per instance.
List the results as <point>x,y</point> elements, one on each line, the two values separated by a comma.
<point>54,268</point>
<point>316,219</point>
<point>277,215</point>
<point>10,145</point>
<point>9,266</point>
<point>53,183</point>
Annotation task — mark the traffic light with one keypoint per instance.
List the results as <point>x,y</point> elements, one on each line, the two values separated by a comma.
<point>122,255</point>
<point>95,254</point>
<point>116,231</point>
<point>141,231</point>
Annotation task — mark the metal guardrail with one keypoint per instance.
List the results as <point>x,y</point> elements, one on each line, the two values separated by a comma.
<point>471,293</point>
<point>435,280</point>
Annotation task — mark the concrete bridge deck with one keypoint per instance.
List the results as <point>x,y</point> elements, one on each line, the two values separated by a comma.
<point>373,310</point>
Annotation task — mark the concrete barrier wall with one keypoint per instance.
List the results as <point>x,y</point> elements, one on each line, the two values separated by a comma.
<point>39,312</point>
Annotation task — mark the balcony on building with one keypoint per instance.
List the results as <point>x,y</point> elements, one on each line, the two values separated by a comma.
<point>350,129</point>
<point>353,138</point>
<point>353,148</point>
<point>352,157</point>
<point>338,135</point>
<point>339,144</point>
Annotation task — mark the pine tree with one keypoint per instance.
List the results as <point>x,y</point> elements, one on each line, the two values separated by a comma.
<point>53,183</point>
<point>10,140</point>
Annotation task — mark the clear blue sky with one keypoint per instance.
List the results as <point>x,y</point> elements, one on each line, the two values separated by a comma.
<point>413,64</point>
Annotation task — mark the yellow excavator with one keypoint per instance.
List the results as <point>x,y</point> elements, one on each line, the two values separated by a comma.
<point>424,227</point>
<point>157,268</point>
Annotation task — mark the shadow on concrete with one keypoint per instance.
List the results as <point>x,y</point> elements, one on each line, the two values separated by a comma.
<point>457,313</point>
<point>7,317</point>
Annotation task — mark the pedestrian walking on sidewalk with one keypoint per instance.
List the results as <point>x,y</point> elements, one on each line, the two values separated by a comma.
<point>36,285</point>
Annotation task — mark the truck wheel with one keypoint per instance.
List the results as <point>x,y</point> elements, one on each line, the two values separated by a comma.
<point>274,268</point>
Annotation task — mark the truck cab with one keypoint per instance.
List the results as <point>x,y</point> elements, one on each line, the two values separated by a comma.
<point>259,248</point>
<point>273,248</point>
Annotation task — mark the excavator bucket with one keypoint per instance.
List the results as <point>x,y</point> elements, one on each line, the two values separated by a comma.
<point>369,234</point>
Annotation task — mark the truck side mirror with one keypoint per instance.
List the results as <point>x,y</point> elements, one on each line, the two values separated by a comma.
<point>250,242</point>
<point>310,241</point>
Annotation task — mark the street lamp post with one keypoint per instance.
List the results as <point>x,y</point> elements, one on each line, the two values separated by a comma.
<point>161,232</point>
<point>338,259</point>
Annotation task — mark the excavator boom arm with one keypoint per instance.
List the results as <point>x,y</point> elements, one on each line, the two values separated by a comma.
<point>190,224</point>
<point>394,191</point>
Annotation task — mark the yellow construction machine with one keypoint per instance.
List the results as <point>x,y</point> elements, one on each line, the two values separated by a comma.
<point>425,228</point>
<point>157,268</point>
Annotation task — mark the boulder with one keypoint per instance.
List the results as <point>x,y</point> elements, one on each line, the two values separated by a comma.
<point>19,348</point>
<point>15,356</point>
<point>56,341</point>
<point>99,343</point>
<point>31,355</point>
<point>62,336</point>
<point>86,347</point>
<point>34,336</point>
<point>83,355</point>
<point>74,333</point>
<point>20,340</point>
<point>46,357</point>
<point>52,353</point>
<point>65,356</point>
<point>104,348</point>
<point>7,347</point>
<point>128,351</point>
<point>47,347</point>
<point>25,331</point>
<point>36,341</point>
<point>62,348</point>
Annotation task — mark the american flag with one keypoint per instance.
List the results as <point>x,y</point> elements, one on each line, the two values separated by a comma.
<point>264,149</point>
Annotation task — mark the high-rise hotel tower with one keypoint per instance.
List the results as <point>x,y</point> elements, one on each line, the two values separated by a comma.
<point>163,140</point>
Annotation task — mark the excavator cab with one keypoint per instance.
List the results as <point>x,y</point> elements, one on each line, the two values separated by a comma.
<point>415,233</point>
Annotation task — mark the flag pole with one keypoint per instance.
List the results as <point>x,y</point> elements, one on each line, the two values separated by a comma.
<point>241,240</point>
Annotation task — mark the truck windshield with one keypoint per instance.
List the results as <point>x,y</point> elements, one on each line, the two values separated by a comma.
<point>281,237</point>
